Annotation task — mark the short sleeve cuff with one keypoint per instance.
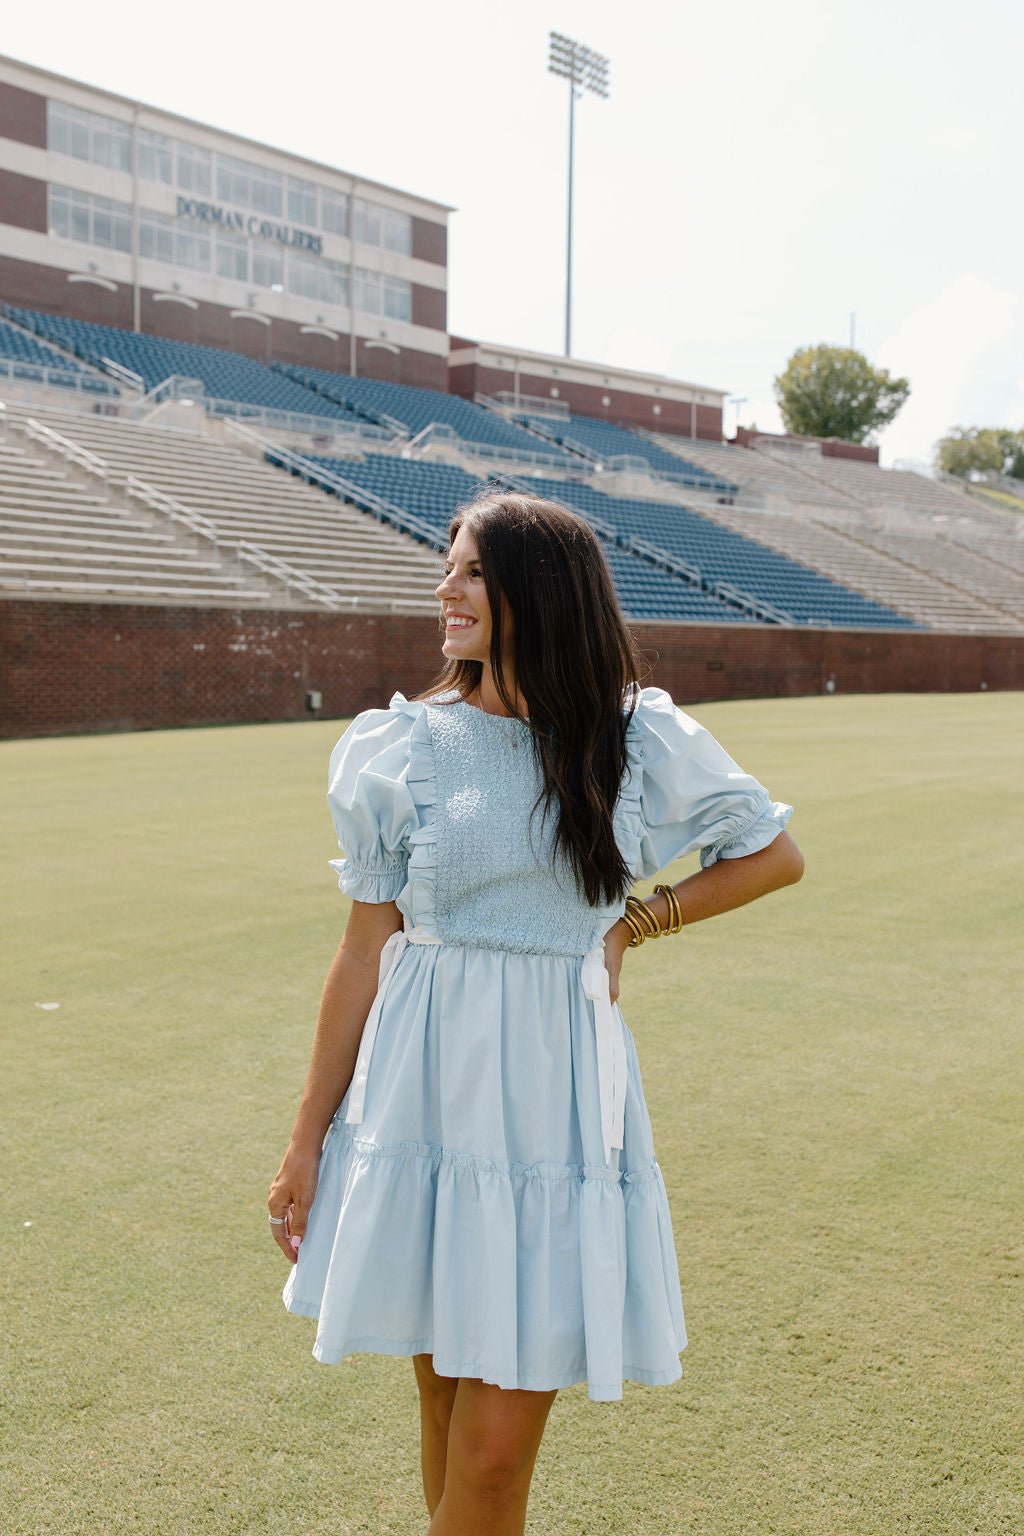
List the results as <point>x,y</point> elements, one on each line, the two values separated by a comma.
<point>370,882</point>
<point>761,830</point>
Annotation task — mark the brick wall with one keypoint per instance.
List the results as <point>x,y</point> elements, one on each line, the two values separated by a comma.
<point>73,667</point>
<point>22,201</point>
<point>22,115</point>
<point>624,408</point>
<point>831,447</point>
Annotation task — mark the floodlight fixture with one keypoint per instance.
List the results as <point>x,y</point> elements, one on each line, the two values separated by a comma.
<point>585,70</point>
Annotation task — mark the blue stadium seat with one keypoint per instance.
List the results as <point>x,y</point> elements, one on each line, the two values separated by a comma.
<point>431,492</point>
<point>418,408</point>
<point>224,375</point>
<point>723,555</point>
<point>601,440</point>
<point>28,355</point>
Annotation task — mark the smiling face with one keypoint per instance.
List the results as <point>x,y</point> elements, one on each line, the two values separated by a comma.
<point>464,601</point>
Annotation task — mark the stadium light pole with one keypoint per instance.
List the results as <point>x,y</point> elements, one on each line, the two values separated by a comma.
<point>585,70</point>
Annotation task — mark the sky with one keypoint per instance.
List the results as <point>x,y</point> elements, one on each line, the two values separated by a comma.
<point>761,178</point>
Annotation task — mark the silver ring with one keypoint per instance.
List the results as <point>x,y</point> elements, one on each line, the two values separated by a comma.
<point>277,1221</point>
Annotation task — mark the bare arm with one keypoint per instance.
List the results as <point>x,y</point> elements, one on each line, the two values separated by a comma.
<point>347,998</point>
<point>720,888</point>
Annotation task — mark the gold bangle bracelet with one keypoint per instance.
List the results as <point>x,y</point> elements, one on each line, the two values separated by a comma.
<point>642,913</point>
<point>675,911</point>
<point>635,930</point>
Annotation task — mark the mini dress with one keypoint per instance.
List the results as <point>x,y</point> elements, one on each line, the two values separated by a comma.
<point>488,1190</point>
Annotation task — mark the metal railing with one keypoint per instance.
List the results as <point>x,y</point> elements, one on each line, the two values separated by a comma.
<point>175,387</point>
<point>653,554</point>
<point>244,549</point>
<point>124,375</point>
<point>140,490</point>
<point>70,452</point>
<point>348,490</point>
<point>530,405</point>
<point>193,392</point>
<point>77,381</point>
<point>443,432</point>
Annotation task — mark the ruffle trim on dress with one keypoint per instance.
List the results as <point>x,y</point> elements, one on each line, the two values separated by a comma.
<point>369,882</point>
<point>422,786</point>
<point>527,1277</point>
<point>750,836</point>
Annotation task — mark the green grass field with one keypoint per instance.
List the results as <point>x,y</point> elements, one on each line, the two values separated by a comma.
<point>835,1075</point>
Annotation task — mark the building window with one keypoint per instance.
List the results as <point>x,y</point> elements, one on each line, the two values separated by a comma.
<point>326,281</point>
<point>267,264</point>
<point>396,229</point>
<point>91,220</point>
<point>333,211</point>
<point>195,168</point>
<point>250,186</point>
<point>163,239</point>
<point>384,227</point>
<point>302,202</point>
<point>156,157</point>
<point>232,256</point>
<point>379,295</point>
<point>192,249</point>
<point>156,237</point>
<point>367,222</point>
<point>397,298</point>
<point>88,136</point>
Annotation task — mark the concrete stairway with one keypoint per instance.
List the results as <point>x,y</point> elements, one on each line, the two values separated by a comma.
<point>363,562</point>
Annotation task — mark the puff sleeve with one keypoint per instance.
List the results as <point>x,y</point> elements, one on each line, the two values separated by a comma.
<point>692,793</point>
<point>371,804</point>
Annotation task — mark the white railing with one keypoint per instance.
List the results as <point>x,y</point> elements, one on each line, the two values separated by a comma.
<point>253,554</point>
<point>18,374</point>
<point>653,554</point>
<point>530,405</point>
<point>299,375</point>
<point>347,490</point>
<point>443,433</point>
<point>124,375</point>
<point>327,429</point>
<point>70,452</point>
<point>176,387</point>
<point>140,490</point>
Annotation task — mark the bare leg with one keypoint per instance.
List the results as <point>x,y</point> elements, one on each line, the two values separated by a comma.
<point>437,1396</point>
<point>493,1440</point>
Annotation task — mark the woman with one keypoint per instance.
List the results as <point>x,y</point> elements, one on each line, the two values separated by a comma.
<point>487,1198</point>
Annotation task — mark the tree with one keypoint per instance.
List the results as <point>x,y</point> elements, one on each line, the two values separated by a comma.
<point>835,392</point>
<point>970,451</point>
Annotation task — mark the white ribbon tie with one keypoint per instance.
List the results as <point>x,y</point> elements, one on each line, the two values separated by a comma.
<point>611,1050</point>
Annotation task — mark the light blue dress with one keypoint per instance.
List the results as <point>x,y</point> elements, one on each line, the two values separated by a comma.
<point>488,1189</point>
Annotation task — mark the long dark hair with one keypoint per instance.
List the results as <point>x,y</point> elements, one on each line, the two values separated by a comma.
<point>573,662</point>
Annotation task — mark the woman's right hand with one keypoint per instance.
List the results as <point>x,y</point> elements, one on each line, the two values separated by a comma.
<point>291,1195</point>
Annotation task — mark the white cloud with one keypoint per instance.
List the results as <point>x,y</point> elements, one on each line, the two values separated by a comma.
<point>939,347</point>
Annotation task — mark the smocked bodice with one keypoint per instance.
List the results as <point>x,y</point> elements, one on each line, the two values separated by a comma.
<point>435,805</point>
<point>497,884</point>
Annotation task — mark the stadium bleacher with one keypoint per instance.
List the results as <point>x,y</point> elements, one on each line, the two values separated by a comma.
<point>431,492</point>
<point>104,538</point>
<point>417,409</point>
<point>223,375</point>
<point>601,441</point>
<point>27,355</point>
<point>843,562</point>
<point>723,555</point>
